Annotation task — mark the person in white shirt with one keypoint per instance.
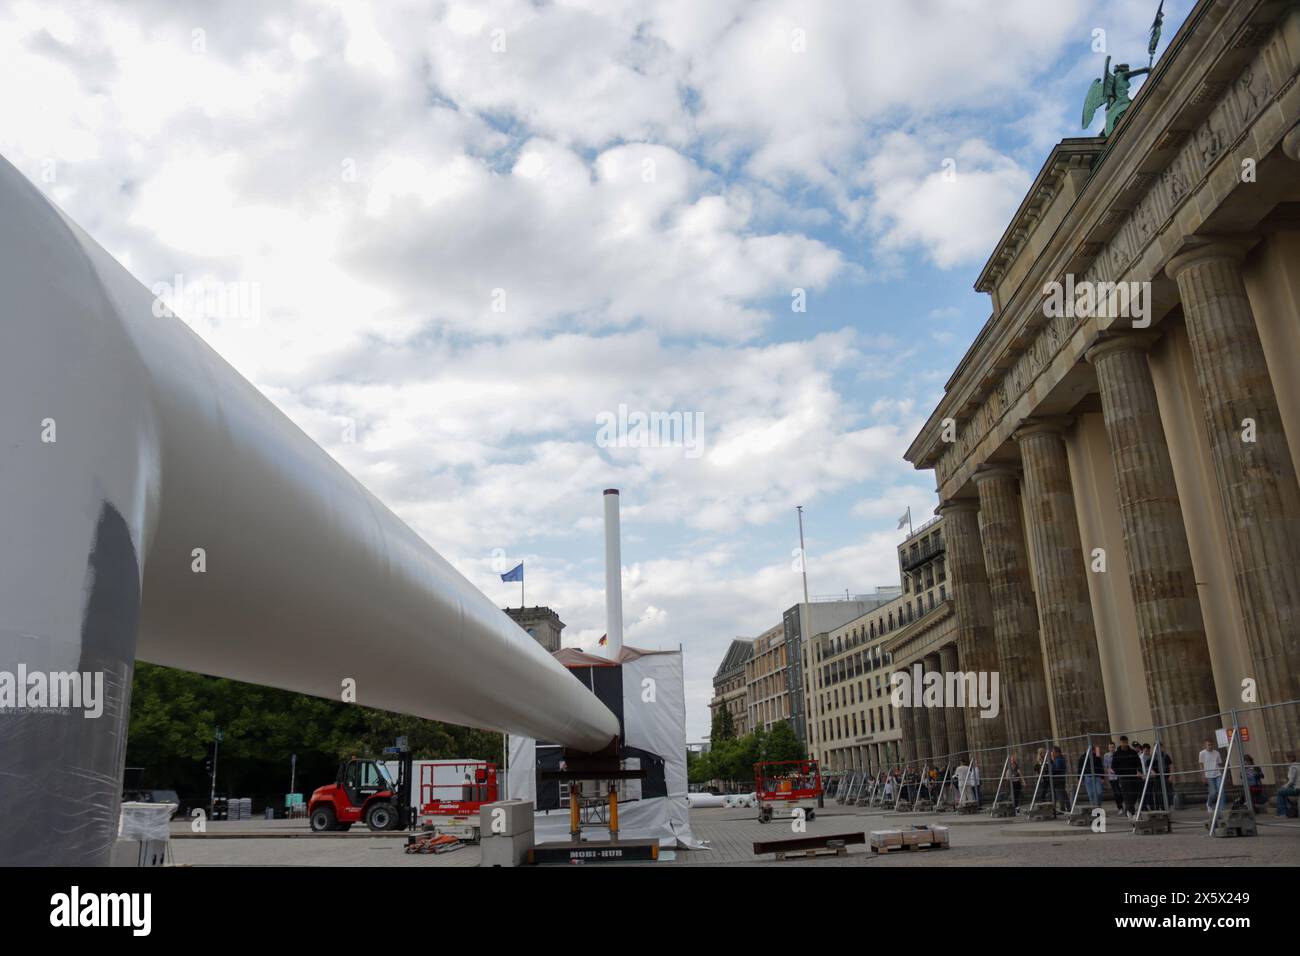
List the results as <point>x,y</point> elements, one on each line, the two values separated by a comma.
<point>1212,767</point>
<point>975,782</point>
<point>961,774</point>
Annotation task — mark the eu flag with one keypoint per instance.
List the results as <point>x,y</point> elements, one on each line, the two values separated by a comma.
<point>515,574</point>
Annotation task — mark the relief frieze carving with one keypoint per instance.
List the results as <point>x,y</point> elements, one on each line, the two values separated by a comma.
<point>1239,104</point>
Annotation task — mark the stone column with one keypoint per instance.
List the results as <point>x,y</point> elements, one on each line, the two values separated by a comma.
<point>1065,612</point>
<point>907,733</point>
<point>1256,479</point>
<point>973,608</point>
<point>937,715</point>
<point>956,716</point>
<point>921,718</point>
<point>1171,630</point>
<point>1015,620</point>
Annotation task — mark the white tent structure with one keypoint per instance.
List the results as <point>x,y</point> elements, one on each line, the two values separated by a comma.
<point>646,691</point>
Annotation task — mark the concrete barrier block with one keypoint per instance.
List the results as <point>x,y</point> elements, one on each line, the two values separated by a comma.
<point>515,816</point>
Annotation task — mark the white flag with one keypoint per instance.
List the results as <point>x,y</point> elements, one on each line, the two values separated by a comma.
<point>904,521</point>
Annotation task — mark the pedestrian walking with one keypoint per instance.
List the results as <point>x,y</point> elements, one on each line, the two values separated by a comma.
<point>1212,769</point>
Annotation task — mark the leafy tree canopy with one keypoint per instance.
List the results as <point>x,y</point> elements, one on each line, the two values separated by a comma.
<point>174,715</point>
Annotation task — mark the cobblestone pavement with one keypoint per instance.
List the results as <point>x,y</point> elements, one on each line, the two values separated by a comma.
<point>730,835</point>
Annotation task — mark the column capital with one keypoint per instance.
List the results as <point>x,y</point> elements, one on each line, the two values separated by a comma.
<point>1227,248</point>
<point>1110,342</point>
<point>1046,424</point>
<point>959,505</point>
<point>985,472</point>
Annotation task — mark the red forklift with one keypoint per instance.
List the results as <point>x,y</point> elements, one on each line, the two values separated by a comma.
<point>794,783</point>
<point>365,791</point>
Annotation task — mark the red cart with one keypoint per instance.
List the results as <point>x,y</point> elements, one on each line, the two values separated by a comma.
<point>795,783</point>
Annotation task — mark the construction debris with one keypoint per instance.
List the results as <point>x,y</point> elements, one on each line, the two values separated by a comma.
<point>433,843</point>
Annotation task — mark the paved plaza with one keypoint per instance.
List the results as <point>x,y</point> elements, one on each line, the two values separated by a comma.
<point>730,835</point>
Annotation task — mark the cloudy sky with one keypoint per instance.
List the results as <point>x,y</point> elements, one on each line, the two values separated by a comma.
<point>447,238</point>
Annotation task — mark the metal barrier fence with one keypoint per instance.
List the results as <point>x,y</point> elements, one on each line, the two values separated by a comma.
<point>1164,771</point>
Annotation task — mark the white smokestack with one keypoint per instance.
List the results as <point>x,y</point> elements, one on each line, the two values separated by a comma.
<point>613,578</point>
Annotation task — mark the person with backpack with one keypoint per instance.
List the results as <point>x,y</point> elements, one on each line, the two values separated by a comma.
<point>1128,771</point>
<point>1060,793</point>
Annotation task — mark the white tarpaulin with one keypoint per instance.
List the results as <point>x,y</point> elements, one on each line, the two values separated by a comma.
<point>145,821</point>
<point>646,691</point>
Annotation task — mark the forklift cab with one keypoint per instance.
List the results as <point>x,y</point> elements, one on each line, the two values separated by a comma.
<point>362,779</point>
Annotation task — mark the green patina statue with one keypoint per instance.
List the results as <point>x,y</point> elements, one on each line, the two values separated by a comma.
<point>1112,87</point>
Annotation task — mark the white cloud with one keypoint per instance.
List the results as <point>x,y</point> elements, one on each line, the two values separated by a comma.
<point>952,207</point>
<point>645,182</point>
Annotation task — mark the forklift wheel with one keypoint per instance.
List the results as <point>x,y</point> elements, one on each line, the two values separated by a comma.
<point>810,815</point>
<point>322,818</point>
<point>382,816</point>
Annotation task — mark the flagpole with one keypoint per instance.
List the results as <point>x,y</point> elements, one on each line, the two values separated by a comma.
<point>909,521</point>
<point>521,585</point>
<point>803,555</point>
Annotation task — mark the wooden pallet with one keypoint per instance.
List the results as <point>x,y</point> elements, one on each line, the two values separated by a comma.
<point>810,854</point>
<point>909,846</point>
<point>887,841</point>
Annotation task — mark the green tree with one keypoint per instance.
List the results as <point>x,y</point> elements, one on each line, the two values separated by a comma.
<point>174,716</point>
<point>723,727</point>
<point>783,743</point>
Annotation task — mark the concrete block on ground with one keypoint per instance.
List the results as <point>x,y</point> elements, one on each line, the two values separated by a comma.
<point>139,853</point>
<point>516,816</point>
<point>1235,823</point>
<point>505,850</point>
<point>1157,821</point>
